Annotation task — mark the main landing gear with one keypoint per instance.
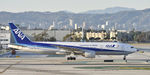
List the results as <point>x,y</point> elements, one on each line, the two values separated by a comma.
<point>71,57</point>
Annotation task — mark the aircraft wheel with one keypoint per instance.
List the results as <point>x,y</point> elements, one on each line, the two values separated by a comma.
<point>68,58</point>
<point>124,58</point>
<point>71,58</point>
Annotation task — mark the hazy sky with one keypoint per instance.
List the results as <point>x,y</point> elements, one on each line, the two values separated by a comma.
<point>69,5</point>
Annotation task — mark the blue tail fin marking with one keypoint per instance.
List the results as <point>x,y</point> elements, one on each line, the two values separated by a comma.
<point>18,35</point>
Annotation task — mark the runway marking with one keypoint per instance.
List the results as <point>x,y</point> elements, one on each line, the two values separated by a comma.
<point>116,67</point>
<point>10,65</point>
<point>62,72</point>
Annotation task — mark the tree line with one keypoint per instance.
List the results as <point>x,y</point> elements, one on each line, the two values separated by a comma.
<point>134,36</point>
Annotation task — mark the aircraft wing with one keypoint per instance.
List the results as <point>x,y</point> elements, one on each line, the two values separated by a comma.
<point>70,49</point>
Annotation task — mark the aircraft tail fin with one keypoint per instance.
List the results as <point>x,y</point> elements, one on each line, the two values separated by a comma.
<point>18,35</point>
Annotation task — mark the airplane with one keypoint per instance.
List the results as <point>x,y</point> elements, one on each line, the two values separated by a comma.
<point>70,49</point>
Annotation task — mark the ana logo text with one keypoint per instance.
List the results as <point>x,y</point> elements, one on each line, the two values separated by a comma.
<point>112,46</point>
<point>19,33</point>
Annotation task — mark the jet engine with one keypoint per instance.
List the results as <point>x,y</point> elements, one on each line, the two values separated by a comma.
<point>61,52</point>
<point>89,54</point>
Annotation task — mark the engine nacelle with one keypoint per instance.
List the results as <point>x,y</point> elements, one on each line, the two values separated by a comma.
<point>61,52</point>
<point>89,54</point>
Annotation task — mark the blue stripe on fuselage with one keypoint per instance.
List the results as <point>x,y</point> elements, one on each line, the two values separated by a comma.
<point>53,46</point>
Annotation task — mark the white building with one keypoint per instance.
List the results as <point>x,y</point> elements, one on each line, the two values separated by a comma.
<point>4,38</point>
<point>76,27</point>
<point>113,35</point>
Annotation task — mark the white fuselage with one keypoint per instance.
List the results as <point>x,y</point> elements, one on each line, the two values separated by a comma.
<point>100,48</point>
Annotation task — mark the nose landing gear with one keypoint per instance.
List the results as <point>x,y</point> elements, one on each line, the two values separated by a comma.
<point>124,58</point>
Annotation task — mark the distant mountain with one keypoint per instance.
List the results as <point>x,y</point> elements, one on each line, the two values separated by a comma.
<point>109,10</point>
<point>125,20</point>
<point>64,11</point>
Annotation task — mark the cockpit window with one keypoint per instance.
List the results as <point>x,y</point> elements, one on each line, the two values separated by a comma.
<point>132,47</point>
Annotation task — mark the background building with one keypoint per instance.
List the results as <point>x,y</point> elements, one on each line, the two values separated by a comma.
<point>98,35</point>
<point>4,37</point>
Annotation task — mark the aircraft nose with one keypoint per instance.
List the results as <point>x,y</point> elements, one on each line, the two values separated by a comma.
<point>137,50</point>
<point>134,50</point>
